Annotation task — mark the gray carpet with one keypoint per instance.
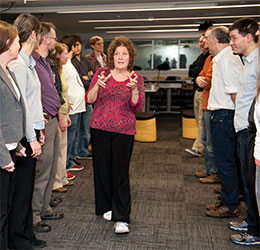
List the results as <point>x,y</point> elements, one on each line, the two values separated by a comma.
<point>168,203</point>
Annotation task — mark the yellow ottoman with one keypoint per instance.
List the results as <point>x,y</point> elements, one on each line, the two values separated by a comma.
<point>145,127</point>
<point>189,125</point>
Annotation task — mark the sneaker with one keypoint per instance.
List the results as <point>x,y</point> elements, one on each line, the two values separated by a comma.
<point>211,179</point>
<point>193,152</point>
<point>121,227</point>
<point>70,176</point>
<point>245,239</point>
<point>76,167</point>
<point>238,226</point>
<point>201,174</point>
<point>107,215</point>
<point>88,157</point>
<point>223,212</point>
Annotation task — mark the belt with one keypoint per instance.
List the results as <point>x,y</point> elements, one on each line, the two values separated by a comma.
<point>49,117</point>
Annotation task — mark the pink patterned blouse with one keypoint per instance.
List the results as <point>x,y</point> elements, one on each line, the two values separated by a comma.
<point>114,110</point>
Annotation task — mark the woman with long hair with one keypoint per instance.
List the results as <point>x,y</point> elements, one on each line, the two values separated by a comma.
<point>60,58</point>
<point>20,220</point>
<point>12,124</point>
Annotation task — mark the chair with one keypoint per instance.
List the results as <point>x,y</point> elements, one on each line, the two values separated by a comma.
<point>189,125</point>
<point>146,127</point>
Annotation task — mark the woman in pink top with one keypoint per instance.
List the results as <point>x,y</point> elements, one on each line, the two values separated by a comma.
<point>117,92</point>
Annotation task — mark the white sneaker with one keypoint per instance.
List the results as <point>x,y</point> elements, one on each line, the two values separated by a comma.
<point>121,227</point>
<point>107,215</point>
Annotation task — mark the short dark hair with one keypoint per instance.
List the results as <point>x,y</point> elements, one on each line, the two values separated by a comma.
<point>26,24</point>
<point>121,41</point>
<point>221,33</point>
<point>69,40</point>
<point>77,38</point>
<point>8,33</point>
<point>246,26</point>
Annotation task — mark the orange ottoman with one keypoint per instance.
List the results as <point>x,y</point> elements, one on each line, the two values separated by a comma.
<point>146,127</point>
<point>189,125</point>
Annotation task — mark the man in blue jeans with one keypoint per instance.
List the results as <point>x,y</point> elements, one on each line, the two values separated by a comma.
<point>224,86</point>
<point>244,41</point>
<point>85,71</point>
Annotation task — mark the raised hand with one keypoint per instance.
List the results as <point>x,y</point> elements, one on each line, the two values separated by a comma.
<point>102,79</point>
<point>133,82</point>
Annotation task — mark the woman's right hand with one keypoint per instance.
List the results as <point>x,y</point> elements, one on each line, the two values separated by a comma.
<point>102,79</point>
<point>36,149</point>
<point>9,167</point>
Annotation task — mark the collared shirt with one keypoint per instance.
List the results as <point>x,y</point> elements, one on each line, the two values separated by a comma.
<point>76,92</point>
<point>95,63</point>
<point>225,79</point>
<point>28,81</point>
<point>207,73</point>
<point>247,89</point>
<point>49,95</point>
<point>83,67</point>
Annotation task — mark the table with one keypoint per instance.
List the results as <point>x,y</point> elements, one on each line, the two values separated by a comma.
<point>148,89</point>
<point>169,86</point>
<point>164,84</point>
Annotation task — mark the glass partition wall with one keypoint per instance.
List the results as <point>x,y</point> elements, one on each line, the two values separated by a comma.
<point>166,54</point>
<point>162,54</point>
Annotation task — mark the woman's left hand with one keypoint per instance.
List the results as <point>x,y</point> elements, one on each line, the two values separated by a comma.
<point>133,82</point>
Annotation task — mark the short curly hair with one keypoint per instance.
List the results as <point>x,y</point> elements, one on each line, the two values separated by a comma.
<point>117,42</point>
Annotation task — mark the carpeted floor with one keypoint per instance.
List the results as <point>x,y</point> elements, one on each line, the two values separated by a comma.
<point>168,203</point>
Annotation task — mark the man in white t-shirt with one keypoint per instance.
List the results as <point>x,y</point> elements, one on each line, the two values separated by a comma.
<point>76,94</point>
<point>224,86</point>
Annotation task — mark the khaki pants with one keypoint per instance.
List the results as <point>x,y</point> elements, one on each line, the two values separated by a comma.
<point>46,167</point>
<point>61,176</point>
<point>197,105</point>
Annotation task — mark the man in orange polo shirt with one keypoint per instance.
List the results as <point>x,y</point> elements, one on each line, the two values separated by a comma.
<point>204,81</point>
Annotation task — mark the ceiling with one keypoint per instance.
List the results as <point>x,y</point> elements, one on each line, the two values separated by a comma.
<point>122,12</point>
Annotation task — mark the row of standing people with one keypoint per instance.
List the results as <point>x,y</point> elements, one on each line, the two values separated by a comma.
<point>229,90</point>
<point>43,110</point>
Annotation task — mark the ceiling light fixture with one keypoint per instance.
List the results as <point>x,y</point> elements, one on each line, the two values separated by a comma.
<point>147,26</point>
<point>157,26</point>
<point>149,31</point>
<point>165,19</point>
<point>158,9</point>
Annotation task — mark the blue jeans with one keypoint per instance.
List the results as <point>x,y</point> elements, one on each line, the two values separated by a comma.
<point>210,160</point>
<point>73,132</point>
<point>84,134</point>
<point>224,142</point>
<point>242,155</point>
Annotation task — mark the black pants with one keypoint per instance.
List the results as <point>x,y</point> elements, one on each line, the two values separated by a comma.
<point>252,213</point>
<point>7,183</point>
<point>20,218</point>
<point>111,158</point>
